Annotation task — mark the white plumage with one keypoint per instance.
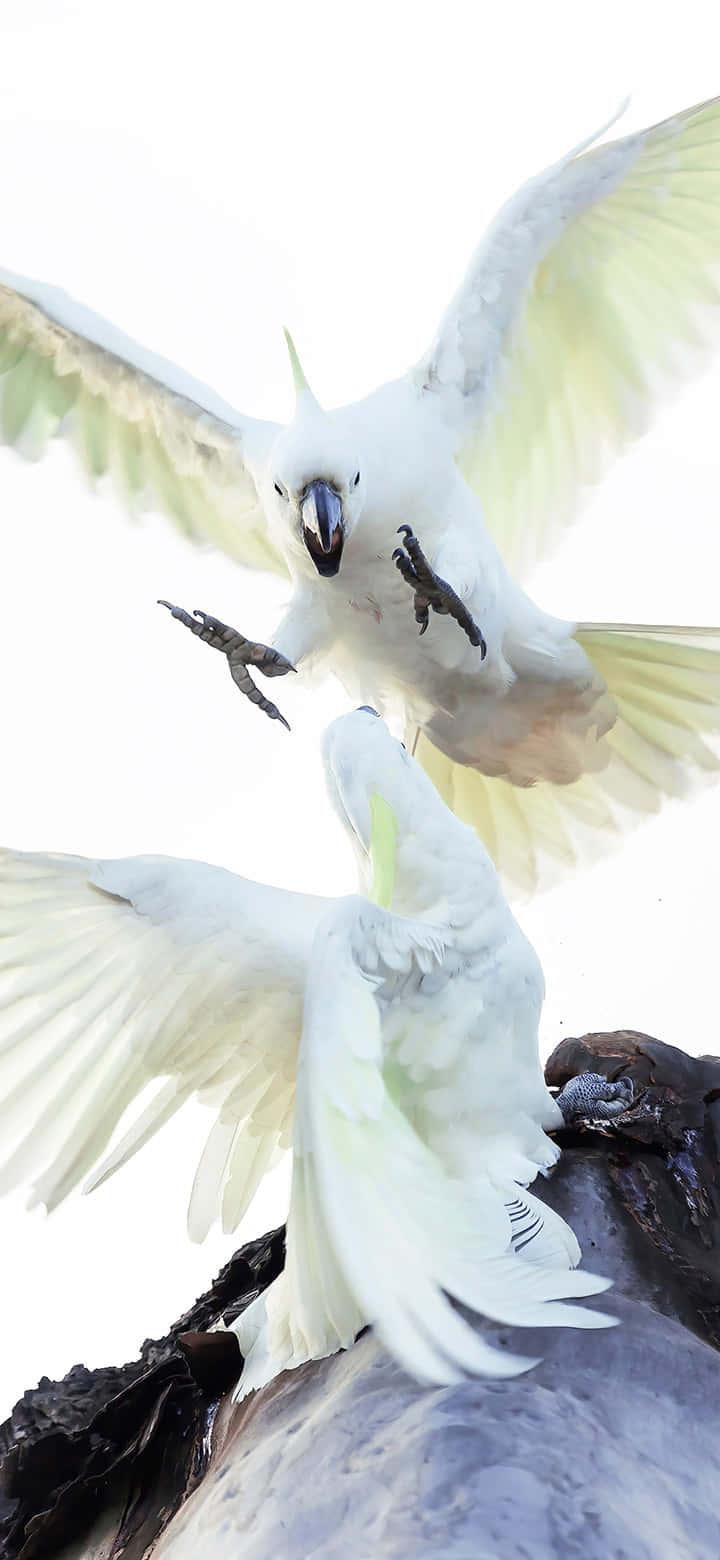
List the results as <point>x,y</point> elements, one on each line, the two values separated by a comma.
<point>396,1047</point>
<point>594,293</point>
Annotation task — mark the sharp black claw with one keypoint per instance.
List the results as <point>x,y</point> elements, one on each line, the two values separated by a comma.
<point>431,592</point>
<point>175,611</point>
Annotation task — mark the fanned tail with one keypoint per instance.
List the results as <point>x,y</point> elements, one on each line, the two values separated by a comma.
<point>665,682</point>
<point>666,686</point>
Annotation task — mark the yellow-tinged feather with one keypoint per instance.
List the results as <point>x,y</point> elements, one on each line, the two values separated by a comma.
<point>383,847</point>
<point>665,683</point>
<point>298,372</point>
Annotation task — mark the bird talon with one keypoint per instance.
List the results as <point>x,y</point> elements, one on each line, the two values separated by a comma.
<point>239,653</point>
<point>592,1097</point>
<point>431,591</point>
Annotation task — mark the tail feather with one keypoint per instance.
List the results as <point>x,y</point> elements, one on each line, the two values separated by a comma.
<point>665,684</point>
<point>539,1234</point>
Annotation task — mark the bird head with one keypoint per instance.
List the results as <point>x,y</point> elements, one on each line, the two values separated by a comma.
<point>314,489</point>
<point>380,793</point>
<point>409,845</point>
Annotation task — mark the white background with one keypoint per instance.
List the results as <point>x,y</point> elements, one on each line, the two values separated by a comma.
<point>201,175</point>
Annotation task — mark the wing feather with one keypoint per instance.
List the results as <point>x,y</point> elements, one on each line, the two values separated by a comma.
<point>167,441</point>
<point>595,294</point>
<point>378,1231</point>
<point>117,973</point>
<point>665,684</point>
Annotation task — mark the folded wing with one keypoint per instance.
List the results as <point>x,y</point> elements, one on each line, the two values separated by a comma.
<point>378,1231</point>
<point>594,294</point>
<point>115,975</point>
<point>167,440</point>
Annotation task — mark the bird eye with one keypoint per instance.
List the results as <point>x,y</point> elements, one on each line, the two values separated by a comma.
<point>279,490</point>
<point>357,479</point>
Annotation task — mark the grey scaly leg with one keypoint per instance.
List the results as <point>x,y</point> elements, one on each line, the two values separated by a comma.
<point>594,1098</point>
<point>430,591</point>
<point>241,653</point>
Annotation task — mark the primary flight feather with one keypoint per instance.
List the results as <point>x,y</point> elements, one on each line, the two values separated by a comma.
<point>393,1044</point>
<point>594,294</point>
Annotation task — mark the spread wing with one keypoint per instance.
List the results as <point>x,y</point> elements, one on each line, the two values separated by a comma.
<point>594,294</point>
<point>378,1230</point>
<point>118,974</point>
<point>168,441</point>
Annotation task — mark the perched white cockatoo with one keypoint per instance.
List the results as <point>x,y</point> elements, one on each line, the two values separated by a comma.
<point>591,296</point>
<point>391,1035</point>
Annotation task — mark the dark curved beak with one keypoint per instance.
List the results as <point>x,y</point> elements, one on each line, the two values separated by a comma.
<point>323,527</point>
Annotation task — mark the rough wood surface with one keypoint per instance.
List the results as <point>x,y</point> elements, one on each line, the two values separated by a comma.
<point>132,1436</point>
<point>606,1449</point>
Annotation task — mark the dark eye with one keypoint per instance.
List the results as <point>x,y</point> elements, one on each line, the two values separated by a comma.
<point>356,479</point>
<point>279,490</point>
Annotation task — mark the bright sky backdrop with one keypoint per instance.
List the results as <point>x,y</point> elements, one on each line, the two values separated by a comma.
<point>201,176</point>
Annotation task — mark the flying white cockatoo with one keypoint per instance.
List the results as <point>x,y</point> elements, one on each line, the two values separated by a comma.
<point>391,1035</point>
<point>590,297</point>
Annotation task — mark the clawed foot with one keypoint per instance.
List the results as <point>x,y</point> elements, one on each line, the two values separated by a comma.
<point>591,1096</point>
<point>240,652</point>
<point>431,591</point>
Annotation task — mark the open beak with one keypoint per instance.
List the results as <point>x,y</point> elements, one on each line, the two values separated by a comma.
<point>323,528</point>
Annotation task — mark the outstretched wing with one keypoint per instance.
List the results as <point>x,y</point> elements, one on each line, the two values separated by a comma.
<point>378,1231</point>
<point>118,974</point>
<point>168,441</point>
<point>594,294</point>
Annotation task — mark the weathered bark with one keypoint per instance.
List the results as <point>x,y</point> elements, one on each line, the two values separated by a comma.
<point>606,1448</point>
<point>663,1162</point>
<point>132,1437</point>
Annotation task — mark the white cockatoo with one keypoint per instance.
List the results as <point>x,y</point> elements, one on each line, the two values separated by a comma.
<point>591,296</point>
<point>391,1035</point>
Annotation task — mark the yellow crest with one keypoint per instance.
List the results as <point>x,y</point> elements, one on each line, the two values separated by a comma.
<point>299,380</point>
<point>383,848</point>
